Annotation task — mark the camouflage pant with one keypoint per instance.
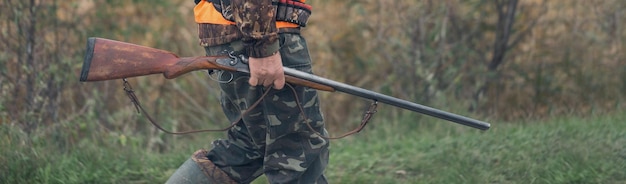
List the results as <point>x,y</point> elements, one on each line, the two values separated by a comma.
<point>272,138</point>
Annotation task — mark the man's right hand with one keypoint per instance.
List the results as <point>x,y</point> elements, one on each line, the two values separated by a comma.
<point>267,71</point>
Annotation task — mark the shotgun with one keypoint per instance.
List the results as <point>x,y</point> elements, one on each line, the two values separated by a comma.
<point>109,59</point>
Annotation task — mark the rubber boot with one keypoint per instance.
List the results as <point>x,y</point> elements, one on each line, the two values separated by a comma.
<point>199,169</point>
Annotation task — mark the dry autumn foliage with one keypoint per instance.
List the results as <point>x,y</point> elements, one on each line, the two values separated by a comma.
<point>559,57</point>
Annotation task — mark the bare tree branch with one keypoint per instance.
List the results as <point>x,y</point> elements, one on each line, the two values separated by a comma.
<point>503,32</point>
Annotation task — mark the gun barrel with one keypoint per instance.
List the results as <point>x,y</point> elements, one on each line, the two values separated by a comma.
<point>364,93</point>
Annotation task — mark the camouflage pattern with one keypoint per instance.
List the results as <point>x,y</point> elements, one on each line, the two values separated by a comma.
<point>273,138</point>
<point>255,24</point>
<point>217,34</point>
<point>224,7</point>
<point>293,11</point>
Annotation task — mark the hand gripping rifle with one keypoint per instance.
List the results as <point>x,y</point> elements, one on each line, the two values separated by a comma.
<point>108,59</point>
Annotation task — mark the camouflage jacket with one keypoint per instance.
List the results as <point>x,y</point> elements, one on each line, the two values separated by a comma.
<point>255,24</point>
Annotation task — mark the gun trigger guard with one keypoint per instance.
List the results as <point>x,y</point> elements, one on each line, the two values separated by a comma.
<point>237,61</point>
<point>219,76</point>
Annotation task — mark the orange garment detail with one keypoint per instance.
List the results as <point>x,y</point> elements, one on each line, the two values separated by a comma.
<point>205,12</point>
<point>283,24</point>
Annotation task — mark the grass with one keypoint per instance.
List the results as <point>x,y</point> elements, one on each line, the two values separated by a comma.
<point>561,150</point>
<point>564,150</point>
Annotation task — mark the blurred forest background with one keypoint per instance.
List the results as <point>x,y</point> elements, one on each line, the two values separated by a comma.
<point>494,60</point>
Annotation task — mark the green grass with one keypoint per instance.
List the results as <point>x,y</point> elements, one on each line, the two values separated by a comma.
<point>562,150</point>
<point>566,150</point>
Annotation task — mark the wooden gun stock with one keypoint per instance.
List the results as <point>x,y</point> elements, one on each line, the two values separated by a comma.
<point>109,59</point>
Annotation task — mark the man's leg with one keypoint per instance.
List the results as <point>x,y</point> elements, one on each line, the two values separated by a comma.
<point>294,153</point>
<point>274,134</point>
<point>272,138</point>
<point>198,169</point>
<point>240,156</point>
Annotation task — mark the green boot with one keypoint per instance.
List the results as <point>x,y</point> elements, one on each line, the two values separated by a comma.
<point>199,169</point>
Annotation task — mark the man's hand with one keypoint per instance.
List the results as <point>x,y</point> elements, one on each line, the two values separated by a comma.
<point>267,71</point>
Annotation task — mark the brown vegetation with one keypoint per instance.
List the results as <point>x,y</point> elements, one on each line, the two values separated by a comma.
<point>501,60</point>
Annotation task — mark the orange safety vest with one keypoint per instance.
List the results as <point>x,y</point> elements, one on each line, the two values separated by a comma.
<point>205,12</point>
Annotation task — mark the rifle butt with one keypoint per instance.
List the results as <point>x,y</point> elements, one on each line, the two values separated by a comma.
<point>109,59</point>
<point>84,72</point>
